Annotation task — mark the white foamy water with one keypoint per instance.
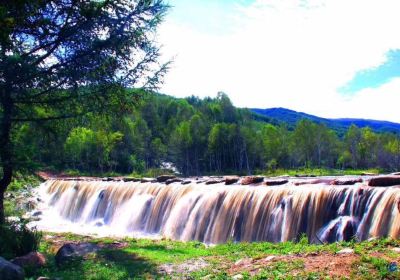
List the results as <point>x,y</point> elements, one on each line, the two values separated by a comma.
<point>218,213</point>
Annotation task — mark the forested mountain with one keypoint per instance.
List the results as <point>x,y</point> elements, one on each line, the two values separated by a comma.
<point>197,136</point>
<point>291,118</point>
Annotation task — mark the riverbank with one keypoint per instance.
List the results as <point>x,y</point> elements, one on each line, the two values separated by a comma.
<point>164,259</point>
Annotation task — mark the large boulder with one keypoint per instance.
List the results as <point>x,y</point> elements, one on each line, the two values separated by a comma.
<point>230,180</point>
<point>32,260</point>
<point>384,181</point>
<point>71,251</point>
<point>250,180</point>
<point>164,178</point>
<point>10,271</point>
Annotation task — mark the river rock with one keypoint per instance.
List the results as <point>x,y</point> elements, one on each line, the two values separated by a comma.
<point>214,181</point>
<point>173,180</point>
<point>275,182</point>
<point>31,260</point>
<point>230,180</point>
<point>148,180</point>
<point>314,182</point>
<point>249,180</point>
<point>367,174</point>
<point>107,179</point>
<point>384,181</point>
<point>129,179</point>
<point>186,182</point>
<point>71,251</point>
<point>343,182</point>
<point>164,178</point>
<point>10,271</point>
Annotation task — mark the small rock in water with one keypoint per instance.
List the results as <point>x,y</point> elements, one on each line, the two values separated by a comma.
<point>186,182</point>
<point>214,181</point>
<point>384,181</point>
<point>164,178</point>
<point>275,182</point>
<point>148,180</point>
<point>174,180</point>
<point>37,213</point>
<point>347,182</point>
<point>249,180</point>
<point>237,277</point>
<point>229,180</point>
<point>346,251</point>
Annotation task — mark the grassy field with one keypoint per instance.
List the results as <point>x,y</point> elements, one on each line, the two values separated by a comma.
<point>165,259</point>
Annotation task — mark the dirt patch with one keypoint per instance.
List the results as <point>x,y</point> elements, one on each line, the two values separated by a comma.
<point>333,265</point>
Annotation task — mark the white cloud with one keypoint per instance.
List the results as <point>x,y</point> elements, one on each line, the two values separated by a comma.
<point>290,53</point>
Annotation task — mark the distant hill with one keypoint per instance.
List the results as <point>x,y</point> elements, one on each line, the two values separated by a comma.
<point>290,117</point>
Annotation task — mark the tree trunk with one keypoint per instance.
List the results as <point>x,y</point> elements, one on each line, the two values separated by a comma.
<point>5,150</point>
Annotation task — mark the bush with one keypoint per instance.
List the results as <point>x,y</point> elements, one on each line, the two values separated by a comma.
<point>16,239</point>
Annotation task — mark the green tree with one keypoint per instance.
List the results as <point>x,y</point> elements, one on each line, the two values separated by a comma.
<point>60,59</point>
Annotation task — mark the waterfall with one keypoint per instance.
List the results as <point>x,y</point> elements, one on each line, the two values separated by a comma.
<point>219,213</point>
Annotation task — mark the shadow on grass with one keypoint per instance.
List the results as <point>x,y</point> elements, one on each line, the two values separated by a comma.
<point>106,264</point>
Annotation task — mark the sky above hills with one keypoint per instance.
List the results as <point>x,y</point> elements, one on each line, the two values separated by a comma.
<point>331,58</point>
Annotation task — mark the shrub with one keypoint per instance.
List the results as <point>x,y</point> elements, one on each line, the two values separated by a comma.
<point>16,239</point>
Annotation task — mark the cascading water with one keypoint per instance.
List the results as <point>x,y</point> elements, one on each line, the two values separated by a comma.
<point>218,213</point>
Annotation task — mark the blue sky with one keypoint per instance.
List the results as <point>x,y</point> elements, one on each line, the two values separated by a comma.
<point>332,58</point>
<point>376,76</point>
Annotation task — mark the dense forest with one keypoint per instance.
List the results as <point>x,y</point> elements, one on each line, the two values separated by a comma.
<point>196,136</point>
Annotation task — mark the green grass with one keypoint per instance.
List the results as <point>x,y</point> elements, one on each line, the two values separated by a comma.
<point>320,172</point>
<point>140,259</point>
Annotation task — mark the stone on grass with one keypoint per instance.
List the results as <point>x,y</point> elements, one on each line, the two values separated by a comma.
<point>33,260</point>
<point>245,261</point>
<point>71,251</point>
<point>346,251</point>
<point>10,271</point>
<point>269,258</point>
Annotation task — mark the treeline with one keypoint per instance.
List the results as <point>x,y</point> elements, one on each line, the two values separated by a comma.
<point>197,136</point>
